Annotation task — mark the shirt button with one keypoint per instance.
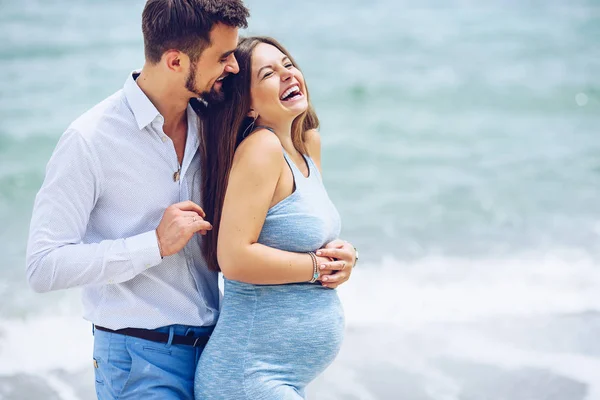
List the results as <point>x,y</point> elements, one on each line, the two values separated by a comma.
<point>164,139</point>
<point>148,265</point>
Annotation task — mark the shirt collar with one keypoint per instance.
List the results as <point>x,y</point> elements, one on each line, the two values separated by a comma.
<point>145,112</point>
<point>193,126</point>
<point>143,109</point>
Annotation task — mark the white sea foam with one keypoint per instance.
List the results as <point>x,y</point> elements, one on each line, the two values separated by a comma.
<point>444,290</point>
<point>45,342</point>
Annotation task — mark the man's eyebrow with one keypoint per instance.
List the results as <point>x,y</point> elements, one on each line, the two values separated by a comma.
<point>227,54</point>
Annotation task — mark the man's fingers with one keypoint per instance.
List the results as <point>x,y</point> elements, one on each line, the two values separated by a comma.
<point>192,217</point>
<point>191,214</point>
<point>190,206</point>
<point>201,225</point>
<point>197,224</point>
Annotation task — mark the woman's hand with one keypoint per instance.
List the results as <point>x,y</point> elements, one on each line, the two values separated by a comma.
<point>337,270</point>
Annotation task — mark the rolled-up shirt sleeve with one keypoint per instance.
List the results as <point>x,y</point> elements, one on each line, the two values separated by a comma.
<point>56,256</point>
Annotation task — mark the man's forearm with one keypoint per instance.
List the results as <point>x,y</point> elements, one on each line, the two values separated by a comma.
<point>71,265</point>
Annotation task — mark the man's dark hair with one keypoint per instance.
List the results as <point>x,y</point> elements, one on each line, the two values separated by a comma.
<point>185,25</point>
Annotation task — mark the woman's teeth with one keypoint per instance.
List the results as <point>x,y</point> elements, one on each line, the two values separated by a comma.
<point>291,92</point>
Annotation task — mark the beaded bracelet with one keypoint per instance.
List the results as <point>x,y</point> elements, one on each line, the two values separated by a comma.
<point>315,268</point>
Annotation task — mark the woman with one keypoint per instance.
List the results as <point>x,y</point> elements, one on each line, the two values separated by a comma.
<point>279,327</point>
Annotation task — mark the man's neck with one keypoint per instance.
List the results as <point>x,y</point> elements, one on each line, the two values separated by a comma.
<point>171,105</point>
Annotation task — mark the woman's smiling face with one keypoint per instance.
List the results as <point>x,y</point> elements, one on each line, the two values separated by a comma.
<point>277,88</point>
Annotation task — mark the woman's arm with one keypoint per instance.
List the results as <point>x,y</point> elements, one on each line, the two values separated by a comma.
<point>254,175</point>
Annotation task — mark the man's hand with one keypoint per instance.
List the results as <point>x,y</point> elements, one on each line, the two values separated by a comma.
<point>179,222</point>
<point>342,255</point>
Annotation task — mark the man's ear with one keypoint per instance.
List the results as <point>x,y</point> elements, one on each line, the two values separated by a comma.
<point>174,60</point>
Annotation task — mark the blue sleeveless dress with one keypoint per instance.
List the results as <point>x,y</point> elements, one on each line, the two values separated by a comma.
<point>272,340</point>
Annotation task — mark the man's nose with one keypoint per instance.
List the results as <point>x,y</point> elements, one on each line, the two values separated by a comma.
<point>232,66</point>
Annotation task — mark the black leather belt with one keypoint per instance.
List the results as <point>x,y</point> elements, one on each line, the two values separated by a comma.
<point>160,337</point>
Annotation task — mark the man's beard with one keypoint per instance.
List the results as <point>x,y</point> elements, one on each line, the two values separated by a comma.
<point>211,97</point>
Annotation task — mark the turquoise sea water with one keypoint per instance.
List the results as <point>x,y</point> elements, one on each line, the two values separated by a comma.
<point>461,144</point>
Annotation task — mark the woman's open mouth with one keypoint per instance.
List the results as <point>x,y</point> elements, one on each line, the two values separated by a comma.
<point>291,94</point>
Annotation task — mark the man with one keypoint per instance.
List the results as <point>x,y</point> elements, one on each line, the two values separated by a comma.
<point>118,210</point>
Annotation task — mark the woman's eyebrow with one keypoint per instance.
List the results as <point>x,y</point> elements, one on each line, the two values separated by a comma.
<point>266,66</point>
<point>270,66</point>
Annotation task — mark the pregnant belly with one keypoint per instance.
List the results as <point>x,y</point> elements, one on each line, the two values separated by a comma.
<point>296,333</point>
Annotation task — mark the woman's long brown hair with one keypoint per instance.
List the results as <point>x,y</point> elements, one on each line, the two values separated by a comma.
<point>223,128</point>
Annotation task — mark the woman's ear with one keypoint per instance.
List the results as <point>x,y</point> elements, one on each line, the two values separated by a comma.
<point>252,114</point>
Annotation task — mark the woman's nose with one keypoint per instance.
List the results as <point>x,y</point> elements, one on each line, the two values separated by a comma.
<point>286,74</point>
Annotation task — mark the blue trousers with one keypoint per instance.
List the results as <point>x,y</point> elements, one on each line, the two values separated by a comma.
<point>131,368</point>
